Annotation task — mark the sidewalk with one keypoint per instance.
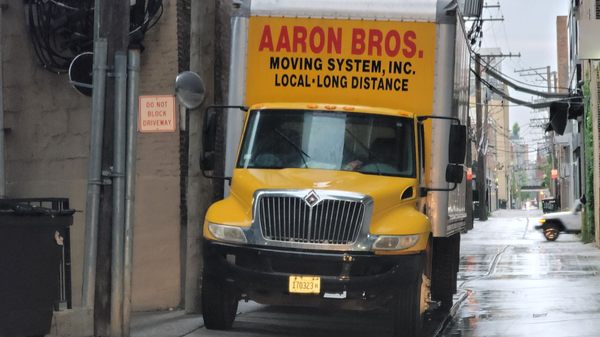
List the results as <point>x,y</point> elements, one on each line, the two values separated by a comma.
<point>174,323</point>
<point>164,324</point>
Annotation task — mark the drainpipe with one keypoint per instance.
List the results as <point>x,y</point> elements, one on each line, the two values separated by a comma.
<point>92,205</point>
<point>118,220</point>
<point>132,111</point>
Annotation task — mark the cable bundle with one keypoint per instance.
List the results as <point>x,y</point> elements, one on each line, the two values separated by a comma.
<point>62,29</point>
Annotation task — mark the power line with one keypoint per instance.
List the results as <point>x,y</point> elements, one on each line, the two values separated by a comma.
<point>508,44</point>
<point>489,65</point>
<point>548,94</point>
<point>543,104</point>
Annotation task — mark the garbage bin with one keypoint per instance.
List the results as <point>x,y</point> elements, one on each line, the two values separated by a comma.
<point>34,261</point>
<point>475,209</point>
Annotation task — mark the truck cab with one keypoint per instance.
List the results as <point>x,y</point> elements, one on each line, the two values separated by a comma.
<point>325,178</point>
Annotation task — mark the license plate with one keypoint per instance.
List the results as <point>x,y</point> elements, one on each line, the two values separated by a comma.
<point>305,284</point>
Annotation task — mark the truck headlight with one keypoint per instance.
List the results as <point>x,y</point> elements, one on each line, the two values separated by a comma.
<point>395,242</point>
<point>227,233</point>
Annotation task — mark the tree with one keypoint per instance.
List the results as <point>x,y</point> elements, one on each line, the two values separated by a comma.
<point>515,130</point>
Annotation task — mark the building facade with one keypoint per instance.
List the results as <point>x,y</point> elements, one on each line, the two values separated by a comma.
<point>47,153</point>
<point>496,133</point>
<point>583,25</point>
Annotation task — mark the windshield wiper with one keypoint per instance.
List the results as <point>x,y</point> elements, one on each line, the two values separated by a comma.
<point>371,154</point>
<point>298,148</point>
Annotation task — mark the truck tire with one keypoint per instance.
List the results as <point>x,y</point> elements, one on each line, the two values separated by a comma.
<point>551,232</point>
<point>406,311</point>
<point>219,304</point>
<point>446,258</point>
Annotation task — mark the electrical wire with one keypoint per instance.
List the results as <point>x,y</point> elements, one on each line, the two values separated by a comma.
<point>487,64</point>
<point>525,152</point>
<point>62,4</point>
<point>62,29</point>
<point>473,104</point>
<point>494,73</point>
<point>508,44</point>
<point>539,105</point>
<point>475,28</point>
<point>476,32</point>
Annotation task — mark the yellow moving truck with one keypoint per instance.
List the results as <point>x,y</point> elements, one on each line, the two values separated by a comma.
<point>345,159</point>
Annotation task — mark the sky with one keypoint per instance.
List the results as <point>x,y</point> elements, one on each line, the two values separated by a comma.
<point>529,28</point>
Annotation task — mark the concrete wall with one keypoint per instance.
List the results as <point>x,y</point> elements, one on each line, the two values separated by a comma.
<point>47,153</point>
<point>47,146</point>
<point>157,267</point>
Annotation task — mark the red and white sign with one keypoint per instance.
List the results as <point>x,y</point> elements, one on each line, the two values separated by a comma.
<point>554,174</point>
<point>157,114</point>
<point>469,174</point>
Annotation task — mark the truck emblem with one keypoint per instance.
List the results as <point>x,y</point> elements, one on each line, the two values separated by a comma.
<point>311,199</point>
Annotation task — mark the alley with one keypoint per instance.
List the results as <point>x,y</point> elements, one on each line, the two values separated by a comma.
<point>512,282</point>
<point>163,158</point>
<point>515,283</point>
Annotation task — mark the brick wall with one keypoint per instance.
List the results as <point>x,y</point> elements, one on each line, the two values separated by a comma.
<point>562,52</point>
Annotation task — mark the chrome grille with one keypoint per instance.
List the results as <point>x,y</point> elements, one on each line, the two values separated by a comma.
<point>291,219</point>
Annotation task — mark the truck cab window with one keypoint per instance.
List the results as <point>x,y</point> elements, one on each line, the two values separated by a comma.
<point>365,143</point>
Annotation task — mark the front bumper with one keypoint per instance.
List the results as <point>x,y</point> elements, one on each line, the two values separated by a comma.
<point>358,281</point>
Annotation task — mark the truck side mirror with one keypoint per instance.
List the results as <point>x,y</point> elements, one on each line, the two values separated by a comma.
<point>457,149</point>
<point>209,156</point>
<point>457,144</point>
<point>454,173</point>
<point>209,137</point>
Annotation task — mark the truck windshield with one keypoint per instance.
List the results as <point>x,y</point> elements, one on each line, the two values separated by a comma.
<point>366,143</point>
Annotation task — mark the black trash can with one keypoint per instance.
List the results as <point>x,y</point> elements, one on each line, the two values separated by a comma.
<point>475,209</point>
<point>34,263</point>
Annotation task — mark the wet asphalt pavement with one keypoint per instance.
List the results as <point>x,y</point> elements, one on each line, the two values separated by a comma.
<point>515,283</point>
<point>512,283</point>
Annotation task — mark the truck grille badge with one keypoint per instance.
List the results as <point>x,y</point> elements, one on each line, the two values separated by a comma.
<point>312,198</point>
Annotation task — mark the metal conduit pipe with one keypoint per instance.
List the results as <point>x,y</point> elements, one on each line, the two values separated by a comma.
<point>132,113</point>
<point>92,204</point>
<point>118,220</point>
<point>2,143</point>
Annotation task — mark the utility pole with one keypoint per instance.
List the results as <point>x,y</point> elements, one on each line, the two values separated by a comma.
<point>547,77</point>
<point>497,5</point>
<point>542,72</point>
<point>481,176</point>
<point>113,26</point>
<point>481,123</point>
<point>199,189</point>
<point>469,189</point>
<point>3,7</point>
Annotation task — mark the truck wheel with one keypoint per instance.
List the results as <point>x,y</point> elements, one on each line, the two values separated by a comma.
<point>446,258</point>
<point>406,310</point>
<point>551,232</point>
<point>219,304</point>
